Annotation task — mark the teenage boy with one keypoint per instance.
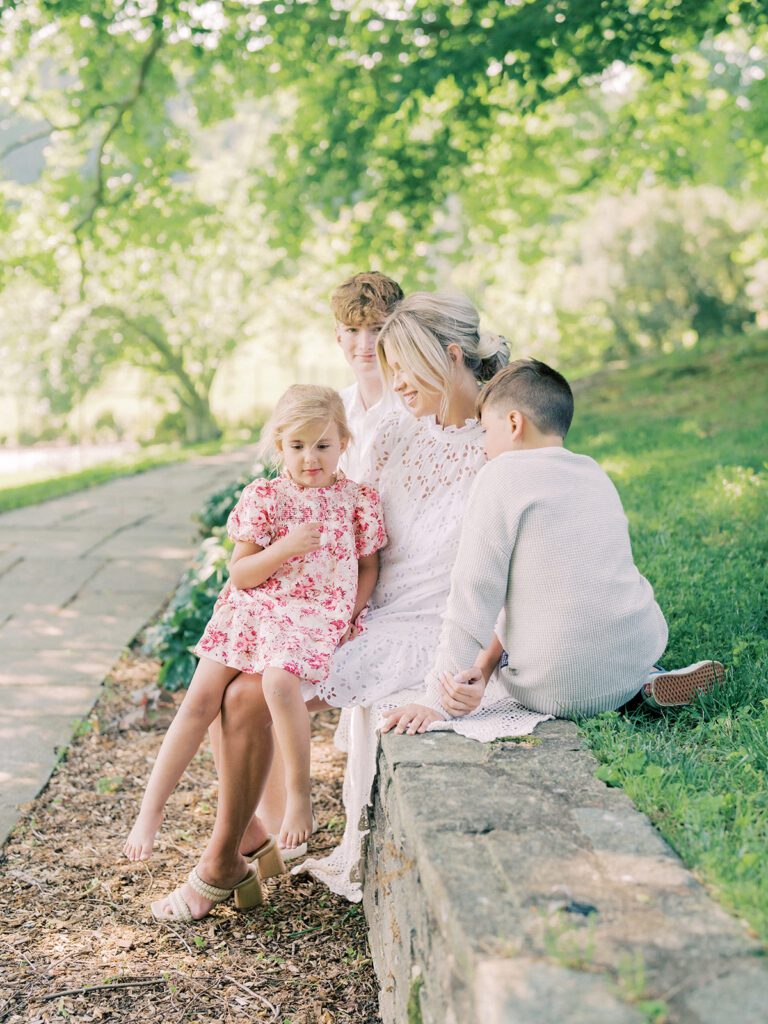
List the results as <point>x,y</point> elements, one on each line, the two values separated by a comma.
<point>360,306</point>
<point>545,538</point>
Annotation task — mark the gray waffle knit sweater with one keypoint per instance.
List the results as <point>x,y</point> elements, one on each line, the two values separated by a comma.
<point>545,537</point>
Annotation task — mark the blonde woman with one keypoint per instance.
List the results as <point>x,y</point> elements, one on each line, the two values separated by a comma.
<point>434,358</point>
<point>304,565</point>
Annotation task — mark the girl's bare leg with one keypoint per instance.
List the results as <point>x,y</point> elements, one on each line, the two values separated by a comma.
<point>200,706</point>
<point>290,723</point>
<point>244,759</point>
<point>271,809</point>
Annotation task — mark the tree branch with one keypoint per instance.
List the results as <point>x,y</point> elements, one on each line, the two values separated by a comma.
<point>43,133</point>
<point>171,360</point>
<point>122,107</point>
<point>152,982</point>
<point>25,140</point>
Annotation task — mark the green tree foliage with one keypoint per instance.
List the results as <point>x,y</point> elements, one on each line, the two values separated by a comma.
<point>383,106</point>
<point>195,151</point>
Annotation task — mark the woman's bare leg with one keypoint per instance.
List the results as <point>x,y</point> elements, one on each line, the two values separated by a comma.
<point>244,758</point>
<point>271,809</point>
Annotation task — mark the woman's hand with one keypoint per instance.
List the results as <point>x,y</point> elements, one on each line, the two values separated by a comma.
<point>410,719</point>
<point>461,694</point>
<point>303,539</point>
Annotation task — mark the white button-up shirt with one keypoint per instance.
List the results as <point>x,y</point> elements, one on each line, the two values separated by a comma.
<point>363,423</point>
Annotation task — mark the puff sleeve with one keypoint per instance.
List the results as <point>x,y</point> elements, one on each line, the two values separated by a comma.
<point>369,522</point>
<point>253,517</point>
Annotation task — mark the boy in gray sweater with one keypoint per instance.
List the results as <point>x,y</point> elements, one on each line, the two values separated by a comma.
<point>545,538</point>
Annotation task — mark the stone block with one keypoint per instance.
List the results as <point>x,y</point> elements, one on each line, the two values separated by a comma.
<point>532,992</point>
<point>505,884</point>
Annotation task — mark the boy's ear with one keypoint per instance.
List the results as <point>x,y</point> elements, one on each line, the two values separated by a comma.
<point>516,421</point>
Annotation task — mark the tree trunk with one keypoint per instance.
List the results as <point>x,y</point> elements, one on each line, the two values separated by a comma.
<point>199,422</point>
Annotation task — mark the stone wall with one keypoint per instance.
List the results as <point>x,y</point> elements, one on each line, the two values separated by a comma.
<point>505,884</point>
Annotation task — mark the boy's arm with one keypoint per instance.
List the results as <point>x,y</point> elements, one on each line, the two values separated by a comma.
<point>478,589</point>
<point>489,658</point>
<point>459,695</point>
<point>463,693</point>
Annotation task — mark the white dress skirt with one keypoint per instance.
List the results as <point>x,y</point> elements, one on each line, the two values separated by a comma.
<point>423,473</point>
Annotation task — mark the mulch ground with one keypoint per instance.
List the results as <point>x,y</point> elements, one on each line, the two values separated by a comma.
<point>77,942</point>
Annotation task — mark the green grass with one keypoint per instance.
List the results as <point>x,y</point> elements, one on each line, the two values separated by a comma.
<point>684,439</point>
<point>21,495</point>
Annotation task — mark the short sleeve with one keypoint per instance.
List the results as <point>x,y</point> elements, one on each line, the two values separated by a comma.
<point>253,517</point>
<point>369,522</point>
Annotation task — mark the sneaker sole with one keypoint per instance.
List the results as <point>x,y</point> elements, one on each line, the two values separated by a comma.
<point>674,689</point>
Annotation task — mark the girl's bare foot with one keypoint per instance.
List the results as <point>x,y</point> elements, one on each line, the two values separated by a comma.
<point>141,838</point>
<point>298,823</point>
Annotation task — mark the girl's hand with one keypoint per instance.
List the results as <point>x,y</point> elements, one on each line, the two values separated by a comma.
<point>303,539</point>
<point>349,635</point>
<point>355,628</point>
<point>462,693</point>
<point>411,719</point>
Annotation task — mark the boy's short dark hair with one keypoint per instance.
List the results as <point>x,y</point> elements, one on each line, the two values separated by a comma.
<point>538,391</point>
<point>365,299</point>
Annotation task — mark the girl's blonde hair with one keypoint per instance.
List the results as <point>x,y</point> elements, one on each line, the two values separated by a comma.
<point>299,405</point>
<point>419,330</point>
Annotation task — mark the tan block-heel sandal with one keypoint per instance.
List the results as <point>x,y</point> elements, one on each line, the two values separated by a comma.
<point>247,894</point>
<point>268,859</point>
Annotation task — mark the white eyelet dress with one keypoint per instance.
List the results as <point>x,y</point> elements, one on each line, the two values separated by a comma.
<point>423,474</point>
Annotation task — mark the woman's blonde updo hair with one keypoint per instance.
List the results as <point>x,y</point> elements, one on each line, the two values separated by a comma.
<point>299,405</point>
<point>419,330</point>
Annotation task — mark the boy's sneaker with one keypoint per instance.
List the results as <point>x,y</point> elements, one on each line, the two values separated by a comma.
<point>672,689</point>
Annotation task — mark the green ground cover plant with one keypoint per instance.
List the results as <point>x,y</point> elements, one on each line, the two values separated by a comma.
<point>683,438</point>
<point>22,495</point>
<point>174,635</point>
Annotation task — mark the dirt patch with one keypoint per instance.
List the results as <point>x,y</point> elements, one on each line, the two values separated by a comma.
<point>78,943</point>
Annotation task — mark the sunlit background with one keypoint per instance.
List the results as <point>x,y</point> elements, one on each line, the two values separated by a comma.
<point>185,184</point>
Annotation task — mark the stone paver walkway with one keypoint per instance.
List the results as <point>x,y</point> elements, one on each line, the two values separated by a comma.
<point>79,577</point>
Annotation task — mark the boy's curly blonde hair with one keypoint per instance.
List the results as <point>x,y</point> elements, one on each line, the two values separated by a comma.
<point>299,405</point>
<point>365,299</point>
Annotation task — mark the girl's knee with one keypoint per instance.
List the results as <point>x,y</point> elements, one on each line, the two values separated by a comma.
<point>202,705</point>
<point>280,687</point>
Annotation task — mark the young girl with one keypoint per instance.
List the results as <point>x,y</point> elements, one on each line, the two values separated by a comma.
<point>304,566</point>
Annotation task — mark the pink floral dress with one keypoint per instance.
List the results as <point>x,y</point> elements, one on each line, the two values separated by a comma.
<point>295,619</point>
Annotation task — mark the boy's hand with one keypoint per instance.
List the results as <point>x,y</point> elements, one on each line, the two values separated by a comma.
<point>462,693</point>
<point>303,539</point>
<point>410,719</point>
